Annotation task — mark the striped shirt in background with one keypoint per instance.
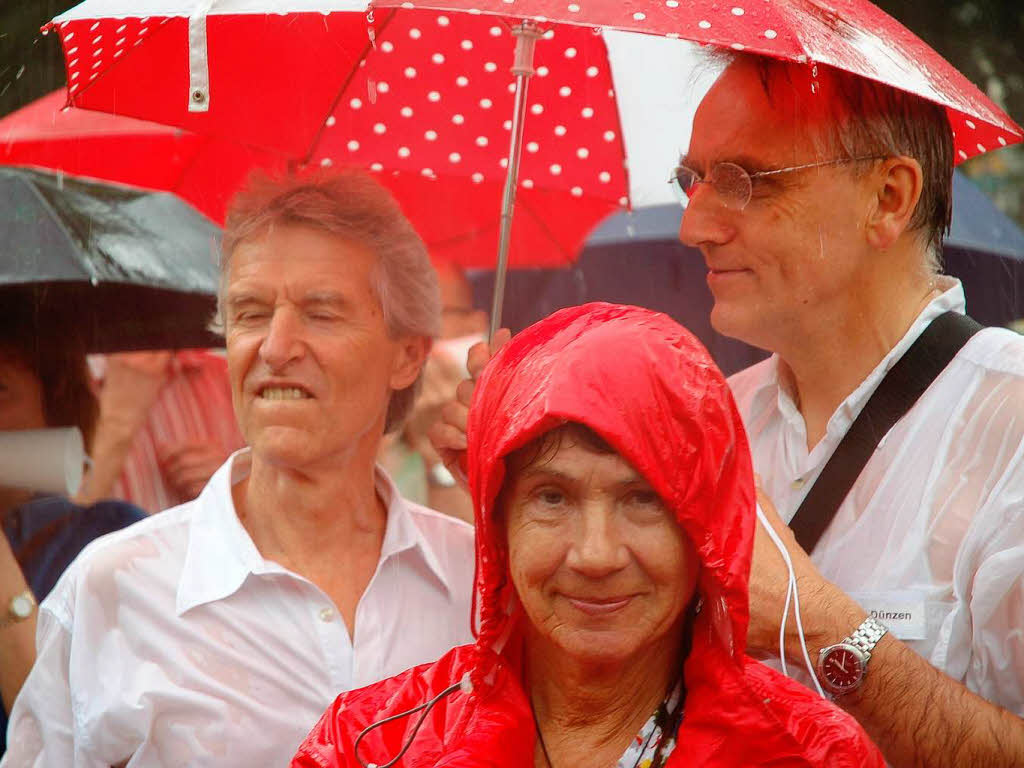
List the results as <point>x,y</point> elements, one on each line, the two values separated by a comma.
<point>194,405</point>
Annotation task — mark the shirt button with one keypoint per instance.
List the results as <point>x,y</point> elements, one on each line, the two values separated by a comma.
<point>327,614</point>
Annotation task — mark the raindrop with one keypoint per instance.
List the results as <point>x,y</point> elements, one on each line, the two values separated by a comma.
<point>814,71</point>
<point>814,86</point>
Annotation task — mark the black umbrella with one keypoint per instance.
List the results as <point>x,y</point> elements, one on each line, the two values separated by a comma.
<point>121,267</point>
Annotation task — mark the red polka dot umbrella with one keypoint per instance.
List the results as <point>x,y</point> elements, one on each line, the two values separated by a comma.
<point>422,93</point>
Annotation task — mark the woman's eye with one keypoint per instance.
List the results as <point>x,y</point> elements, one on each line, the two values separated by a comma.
<point>550,496</point>
<point>644,498</point>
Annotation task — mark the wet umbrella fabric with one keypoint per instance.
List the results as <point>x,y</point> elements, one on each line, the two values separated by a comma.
<point>126,269</point>
<point>202,170</point>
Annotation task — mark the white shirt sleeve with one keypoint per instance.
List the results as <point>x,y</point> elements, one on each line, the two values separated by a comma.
<point>982,491</point>
<point>41,727</point>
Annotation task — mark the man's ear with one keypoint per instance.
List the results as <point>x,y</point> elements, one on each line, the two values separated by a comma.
<point>897,188</point>
<point>412,354</point>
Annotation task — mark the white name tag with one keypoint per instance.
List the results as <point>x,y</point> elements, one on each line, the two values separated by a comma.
<point>903,612</point>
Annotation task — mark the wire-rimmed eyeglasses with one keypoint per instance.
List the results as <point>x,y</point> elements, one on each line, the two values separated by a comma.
<point>734,184</point>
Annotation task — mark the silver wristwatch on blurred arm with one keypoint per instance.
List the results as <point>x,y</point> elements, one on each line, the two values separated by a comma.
<point>842,667</point>
<point>19,608</point>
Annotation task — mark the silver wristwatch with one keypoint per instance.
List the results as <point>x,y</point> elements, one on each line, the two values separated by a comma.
<point>19,608</point>
<point>841,667</point>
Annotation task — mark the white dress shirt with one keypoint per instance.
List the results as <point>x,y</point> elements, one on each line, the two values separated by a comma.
<point>931,536</point>
<point>175,643</point>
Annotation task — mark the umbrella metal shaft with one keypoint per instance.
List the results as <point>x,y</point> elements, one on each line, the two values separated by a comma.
<point>526,35</point>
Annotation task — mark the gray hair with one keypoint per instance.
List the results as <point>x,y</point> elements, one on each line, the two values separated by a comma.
<point>866,118</point>
<point>354,206</point>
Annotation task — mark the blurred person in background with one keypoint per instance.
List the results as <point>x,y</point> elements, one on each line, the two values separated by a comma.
<point>408,455</point>
<point>44,382</point>
<point>166,424</point>
<point>230,622</point>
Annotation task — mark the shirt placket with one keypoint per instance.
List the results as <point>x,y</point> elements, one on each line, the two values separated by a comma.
<point>335,641</point>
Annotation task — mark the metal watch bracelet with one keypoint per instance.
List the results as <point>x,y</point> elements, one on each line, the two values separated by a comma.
<point>866,636</point>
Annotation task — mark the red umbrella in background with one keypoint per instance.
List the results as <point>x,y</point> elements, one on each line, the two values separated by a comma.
<point>421,93</point>
<point>202,170</point>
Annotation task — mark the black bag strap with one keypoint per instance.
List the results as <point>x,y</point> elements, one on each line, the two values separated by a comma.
<point>901,387</point>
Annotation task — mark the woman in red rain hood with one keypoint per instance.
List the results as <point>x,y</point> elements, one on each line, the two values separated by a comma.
<point>614,503</point>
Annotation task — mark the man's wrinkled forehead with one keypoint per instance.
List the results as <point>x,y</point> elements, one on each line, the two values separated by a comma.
<point>752,117</point>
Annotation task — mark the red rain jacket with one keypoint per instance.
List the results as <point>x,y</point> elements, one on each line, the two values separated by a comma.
<point>650,389</point>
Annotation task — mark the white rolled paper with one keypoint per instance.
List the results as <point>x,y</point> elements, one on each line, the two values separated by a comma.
<point>42,460</point>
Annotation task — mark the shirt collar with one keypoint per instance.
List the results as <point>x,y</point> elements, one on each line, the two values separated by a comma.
<point>950,299</point>
<point>221,555</point>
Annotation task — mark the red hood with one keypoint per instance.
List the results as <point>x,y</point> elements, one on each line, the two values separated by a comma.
<point>650,389</point>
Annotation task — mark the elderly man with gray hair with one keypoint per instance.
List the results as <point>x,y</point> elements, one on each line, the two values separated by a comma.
<point>217,632</point>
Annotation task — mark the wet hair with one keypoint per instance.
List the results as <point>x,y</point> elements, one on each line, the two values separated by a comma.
<point>542,449</point>
<point>50,350</point>
<point>864,118</point>
<point>352,205</point>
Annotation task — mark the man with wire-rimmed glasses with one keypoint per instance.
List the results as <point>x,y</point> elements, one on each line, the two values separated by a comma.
<point>818,201</point>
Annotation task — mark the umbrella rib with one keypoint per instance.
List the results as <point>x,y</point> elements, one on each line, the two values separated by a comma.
<point>370,45</point>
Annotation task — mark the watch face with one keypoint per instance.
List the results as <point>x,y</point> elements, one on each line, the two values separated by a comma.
<point>21,607</point>
<point>842,668</point>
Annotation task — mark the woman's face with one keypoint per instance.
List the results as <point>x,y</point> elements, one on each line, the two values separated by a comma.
<point>601,567</point>
<point>21,395</point>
